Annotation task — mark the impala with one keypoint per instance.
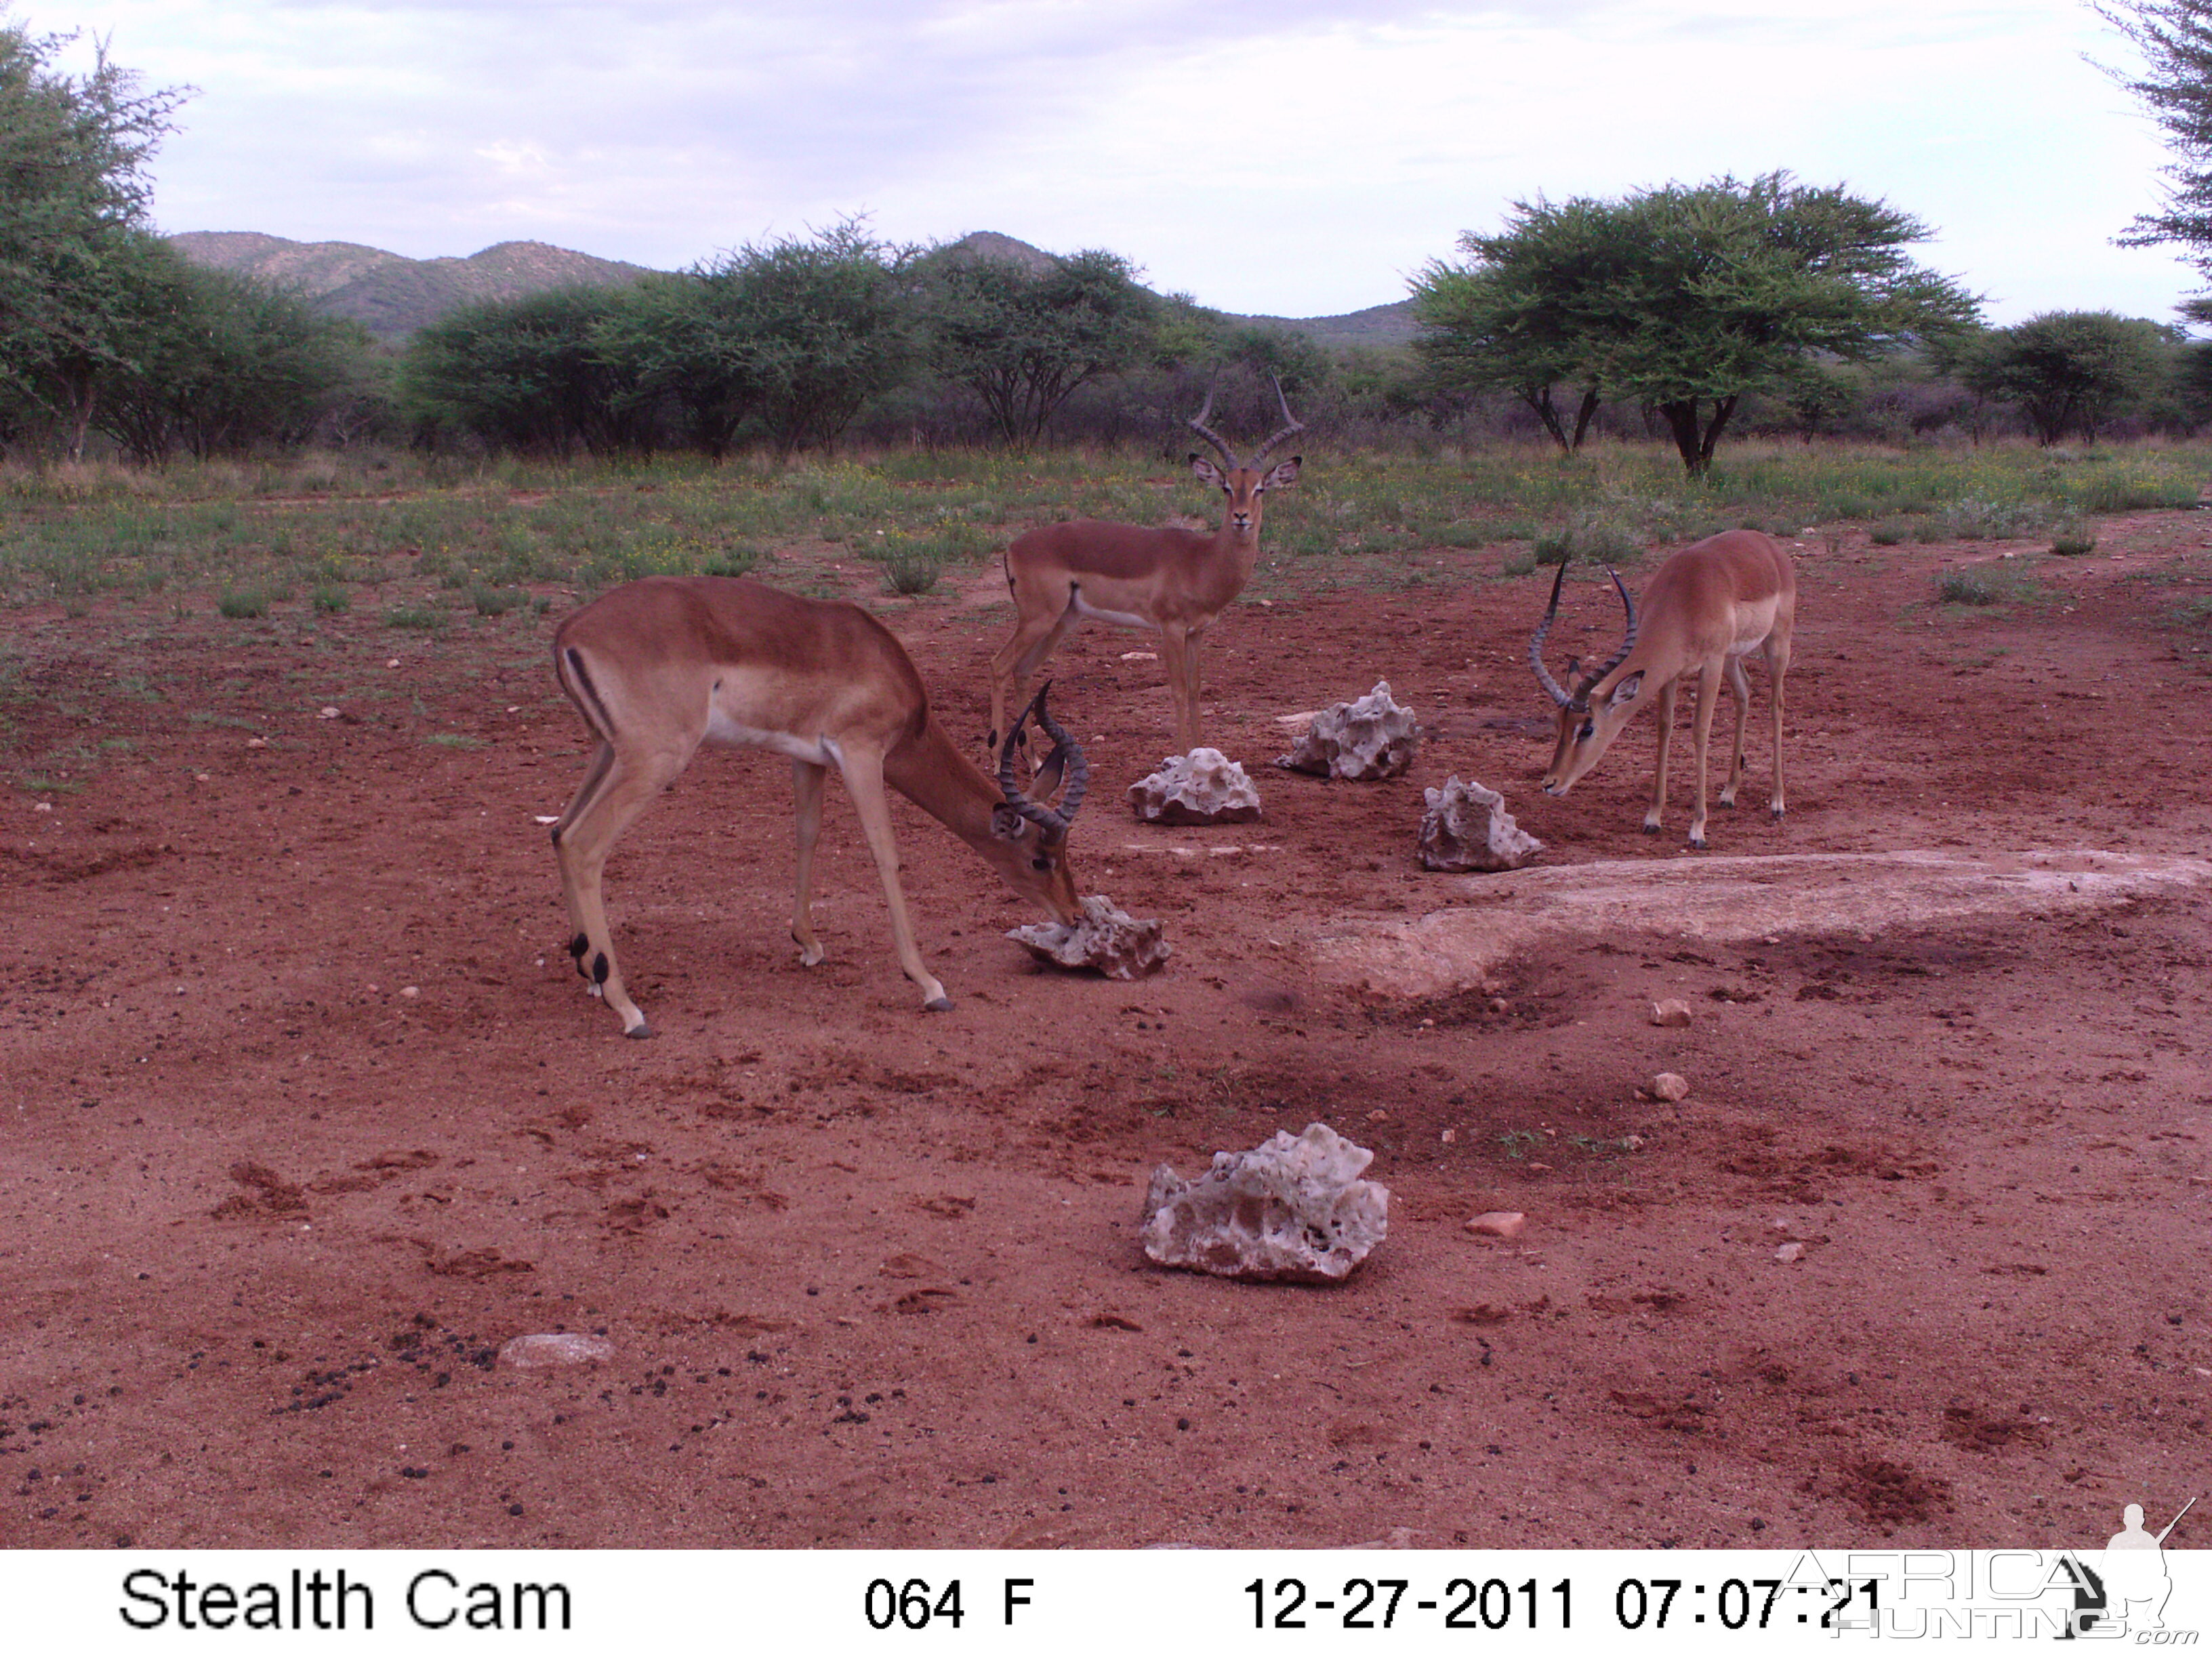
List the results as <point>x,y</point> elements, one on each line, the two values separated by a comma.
<point>1705,608</point>
<point>1173,581</point>
<point>658,667</point>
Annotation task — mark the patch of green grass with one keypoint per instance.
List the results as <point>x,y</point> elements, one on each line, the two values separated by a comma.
<point>496,601</point>
<point>2074,538</point>
<point>415,616</point>
<point>1960,586</point>
<point>454,741</point>
<point>37,784</point>
<point>1889,532</point>
<point>241,603</point>
<point>330,599</point>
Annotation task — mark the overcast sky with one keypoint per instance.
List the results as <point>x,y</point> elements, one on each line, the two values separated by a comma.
<point>1299,158</point>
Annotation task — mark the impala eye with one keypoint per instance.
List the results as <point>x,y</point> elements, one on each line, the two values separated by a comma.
<point>1040,864</point>
<point>1588,730</point>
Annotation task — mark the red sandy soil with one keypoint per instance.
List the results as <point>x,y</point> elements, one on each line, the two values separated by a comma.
<point>307,1112</point>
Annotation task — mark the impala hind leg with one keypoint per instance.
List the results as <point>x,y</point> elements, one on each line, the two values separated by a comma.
<point>1035,638</point>
<point>1179,653</point>
<point>806,780</point>
<point>1741,689</point>
<point>1709,695</point>
<point>864,780</point>
<point>1778,669</point>
<point>1658,807</point>
<point>615,791</point>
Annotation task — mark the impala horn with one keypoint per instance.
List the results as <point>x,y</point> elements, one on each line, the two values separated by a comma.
<point>1295,425</point>
<point>1067,756</point>
<point>1197,423</point>
<point>1536,645</point>
<point>1627,642</point>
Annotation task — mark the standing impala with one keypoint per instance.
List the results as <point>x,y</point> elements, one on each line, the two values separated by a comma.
<point>1175,582</point>
<point>1705,609</point>
<point>658,667</point>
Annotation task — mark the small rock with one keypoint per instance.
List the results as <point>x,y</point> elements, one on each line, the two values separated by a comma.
<point>326,713</point>
<point>1373,737</point>
<point>1292,1209</point>
<point>1115,943</point>
<point>555,1348</point>
<point>1672,1011</point>
<point>1204,786</point>
<point>1670,1085</point>
<point>1792,1251</point>
<point>257,743</point>
<point>1497,1224</point>
<point>1466,827</point>
<point>410,990</point>
<point>43,806</point>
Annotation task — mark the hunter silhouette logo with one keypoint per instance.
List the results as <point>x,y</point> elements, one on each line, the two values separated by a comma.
<point>2127,1590</point>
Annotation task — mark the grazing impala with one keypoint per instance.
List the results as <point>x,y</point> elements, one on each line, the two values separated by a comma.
<point>658,667</point>
<point>1174,582</point>
<point>1705,609</point>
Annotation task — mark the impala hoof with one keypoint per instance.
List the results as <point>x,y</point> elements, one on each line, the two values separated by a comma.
<point>938,1005</point>
<point>1650,827</point>
<point>1776,813</point>
<point>1697,843</point>
<point>640,1031</point>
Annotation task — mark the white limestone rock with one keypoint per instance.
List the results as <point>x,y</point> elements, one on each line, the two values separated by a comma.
<point>1466,827</point>
<point>1107,938</point>
<point>555,1348</point>
<point>1373,737</point>
<point>1204,786</point>
<point>1292,1209</point>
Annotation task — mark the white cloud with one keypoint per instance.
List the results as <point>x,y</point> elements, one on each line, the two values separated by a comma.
<point>1296,157</point>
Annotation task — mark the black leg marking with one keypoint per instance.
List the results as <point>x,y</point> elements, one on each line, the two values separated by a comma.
<point>600,968</point>
<point>595,709</point>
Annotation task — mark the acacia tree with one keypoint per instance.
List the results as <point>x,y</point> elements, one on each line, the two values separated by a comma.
<point>1685,298</point>
<point>74,196</point>
<point>529,373</point>
<point>2175,38</point>
<point>1024,339</point>
<point>1510,318</point>
<point>2069,371</point>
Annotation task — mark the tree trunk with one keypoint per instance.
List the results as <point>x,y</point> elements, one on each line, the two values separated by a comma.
<point>1695,440</point>
<point>1583,414</point>
<point>1539,398</point>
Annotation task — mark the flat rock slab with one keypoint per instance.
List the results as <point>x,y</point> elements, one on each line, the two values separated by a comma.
<point>1730,898</point>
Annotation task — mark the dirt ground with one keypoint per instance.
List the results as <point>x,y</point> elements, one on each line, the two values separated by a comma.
<point>307,1112</point>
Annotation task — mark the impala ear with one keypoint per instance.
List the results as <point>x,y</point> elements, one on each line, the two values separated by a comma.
<point>1286,473</point>
<point>1208,471</point>
<point>1007,824</point>
<point>1626,690</point>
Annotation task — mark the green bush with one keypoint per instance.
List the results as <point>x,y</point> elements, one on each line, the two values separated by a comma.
<point>1889,532</point>
<point>331,600</point>
<point>2074,538</point>
<point>243,602</point>
<point>496,601</point>
<point>1966,588</point>
<point>415,616</point>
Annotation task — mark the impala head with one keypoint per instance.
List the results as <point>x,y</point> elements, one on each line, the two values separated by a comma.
<point>1592,717</point>
<point>1028,838</point>
<point>1245,481</point>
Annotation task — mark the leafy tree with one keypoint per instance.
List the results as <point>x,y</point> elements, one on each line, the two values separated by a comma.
<point>219,362</point>
<point>2070,370</point>
<point>1024,340</point>
<point>1513,318</point>
<point>73,196</point>
<point>1685,298</point>
<point>2175,38</point>
<point>530,373</point>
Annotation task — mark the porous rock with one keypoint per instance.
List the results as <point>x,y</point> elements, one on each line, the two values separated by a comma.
<point>555,1348</point>
<point>1204,786</point>
<point>1373,737</point>
<point>1466,827</point>
<point>1672,1011</point>
<point>1107,938</point>
<point>1293,1207</point>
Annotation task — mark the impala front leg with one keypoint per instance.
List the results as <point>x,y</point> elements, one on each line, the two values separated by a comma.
<point>806,780</point>
<point>618,788</point>
<point>1708,696</point>
<point>1179,653</point>
<point>864,780</point>
<point>1778,668</point>
<point>1658,807</point>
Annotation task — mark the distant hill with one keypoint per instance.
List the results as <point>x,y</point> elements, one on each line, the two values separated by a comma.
<point>391,295</point>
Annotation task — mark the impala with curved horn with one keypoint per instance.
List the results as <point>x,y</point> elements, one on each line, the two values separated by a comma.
<point>1173,581</point>
<point>659,666</point>
<point>1705,608</point>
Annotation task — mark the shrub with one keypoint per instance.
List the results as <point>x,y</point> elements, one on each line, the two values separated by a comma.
<point>1966,587</point>
<point>243,602</point>
<point>2074,538</point>
<point>413,615</point>
<point>496,601</point>
<point>331,600</point>
<point>1889,532</point>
